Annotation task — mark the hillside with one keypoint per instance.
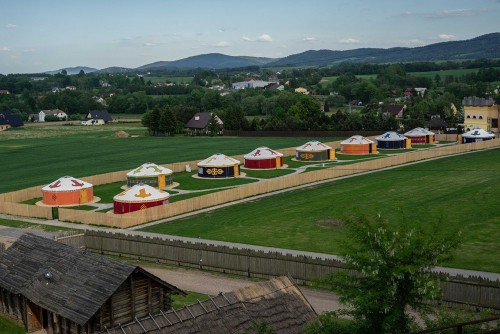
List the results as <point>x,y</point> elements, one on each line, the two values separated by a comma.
<point>73,70</point>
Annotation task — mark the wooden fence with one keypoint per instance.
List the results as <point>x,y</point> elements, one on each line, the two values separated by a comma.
<point>457,290</point>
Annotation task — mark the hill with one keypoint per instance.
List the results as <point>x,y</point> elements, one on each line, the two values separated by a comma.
<point>73,70</point>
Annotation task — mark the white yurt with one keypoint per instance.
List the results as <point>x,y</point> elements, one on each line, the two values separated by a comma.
<point>151,174</point>
<point>477,135</point>
<point>139,197</point>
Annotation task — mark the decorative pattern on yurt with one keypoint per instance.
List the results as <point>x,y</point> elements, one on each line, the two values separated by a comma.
<point>139,197</point>
<point>314,151</point>
<point>421,136</point>
<point>358,145</point>
<point>477,135</point>
<point>68,190</point>
<point>150,174</point>
<point>263,158</point>
<point>393,140</point>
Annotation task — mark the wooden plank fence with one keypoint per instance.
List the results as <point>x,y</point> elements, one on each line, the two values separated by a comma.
<point>476,292</point>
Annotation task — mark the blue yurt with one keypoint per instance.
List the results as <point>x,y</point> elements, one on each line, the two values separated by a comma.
<point>393,140</point>
<point>219,166</point>
<point>476,135</point>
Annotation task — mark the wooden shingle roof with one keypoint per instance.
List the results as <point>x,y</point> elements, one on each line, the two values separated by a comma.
<point>71,282</point>
<point>278,303</point>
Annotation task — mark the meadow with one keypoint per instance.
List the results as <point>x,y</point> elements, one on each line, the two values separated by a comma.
<point>458,193</point>
<point>176,80</point>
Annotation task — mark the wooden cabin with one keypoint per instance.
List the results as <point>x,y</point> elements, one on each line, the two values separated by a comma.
<point>62,289</point>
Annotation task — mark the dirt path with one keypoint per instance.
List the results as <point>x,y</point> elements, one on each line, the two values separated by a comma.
<point>212,284</point>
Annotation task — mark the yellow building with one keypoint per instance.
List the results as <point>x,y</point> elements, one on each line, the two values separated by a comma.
<point>480,112</point>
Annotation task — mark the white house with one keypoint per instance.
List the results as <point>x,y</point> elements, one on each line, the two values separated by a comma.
<point>249,84</point>
<point>61,115</point>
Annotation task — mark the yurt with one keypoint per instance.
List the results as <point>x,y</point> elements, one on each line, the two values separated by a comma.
<point>219,166</point>
<point>392,140</point>
<point>476,135</point>
<point>314,151</point>
<point>139,197</point>
<point>68,191</point>
<point>263,158</point>
<point>150,174</point>
<point>358,145</point>
<point>421,136</point>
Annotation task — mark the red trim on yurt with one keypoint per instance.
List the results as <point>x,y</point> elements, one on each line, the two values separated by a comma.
<point>125,207</point>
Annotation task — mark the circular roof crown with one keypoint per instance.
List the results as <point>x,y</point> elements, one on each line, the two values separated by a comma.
<point>261,153</point>
<point>141,193</point>
<point>149,169</point>
<point>357,140</point>
<point>67,183</point>
<point>390,136</point>
<point>418,132</point>
<point>218,160</point>
<point>313,145</point>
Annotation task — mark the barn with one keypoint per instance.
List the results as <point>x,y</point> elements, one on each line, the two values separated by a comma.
<point>219,166</point>
<point>421,136</point>
<point>263,158</point>
<point>68,190</point>
<point>314,151</point>
<point>476,135</point>
<point>358,145</point>
<point>393,140</point>
<point>150,174</point>
<point>139,197</point>
<point>48,285</point>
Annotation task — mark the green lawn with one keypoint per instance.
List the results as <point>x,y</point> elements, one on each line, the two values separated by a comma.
<point>177,80</point>
<point>267,174</point>
<point>461,192</point>
<point>10,326</point>
<point>40,154</point>
<point>192,297</point>
<point>21,224</point>
<point>188,182</point>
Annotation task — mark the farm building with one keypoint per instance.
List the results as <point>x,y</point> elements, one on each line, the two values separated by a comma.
<point>263,158</point>
<point>150,174</point>
<point>8,120</point>
<point>48,285</point>
<point>358,145</point>
<point>68,191</point>
<point>314,151</point>
<point>278,303</point>
<point>476,135</point>
<point>421,136</point>
<point>60,114</point>
<point>392,139</point>
<point>139,197</point>
<point>97,117</point>
<point>199,123</point>
<point>219,166</point>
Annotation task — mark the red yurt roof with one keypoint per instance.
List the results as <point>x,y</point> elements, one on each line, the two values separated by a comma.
<point>261,153</point>
<point>149,169</point>
<point>67,183</point>
<point>218,160</point>
<point>141,193</point>
<point>313,145</point>
<point>418,132</point>
<point>357,140</point>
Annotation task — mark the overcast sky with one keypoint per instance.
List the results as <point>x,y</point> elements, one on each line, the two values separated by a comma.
<point>37,36</point>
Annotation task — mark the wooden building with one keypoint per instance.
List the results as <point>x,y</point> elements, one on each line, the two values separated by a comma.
<point>46,284</point>
<point>278,303</point>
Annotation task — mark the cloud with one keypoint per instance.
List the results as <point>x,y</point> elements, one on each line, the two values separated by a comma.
<point>451,13</point>
<point>29,50</point>
<point>222,44</point>
<point>222,30</point>
<point>5,49</point>
<point>10,26</point>
<point>446,36</point>
<point>148,44</point>
<point>349,41</point>
<point>309,39</point>
<point>265,38</point>
<point>413,41</point>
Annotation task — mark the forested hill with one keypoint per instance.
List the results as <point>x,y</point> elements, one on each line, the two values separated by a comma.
<point>485,46</point>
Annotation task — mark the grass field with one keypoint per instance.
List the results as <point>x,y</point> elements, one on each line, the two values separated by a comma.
<point>39,155</point>
<point>459,192</point>
<point>21,224</point>
<point>191,298</point>
<point>10,326</point>
<point>176,80</point>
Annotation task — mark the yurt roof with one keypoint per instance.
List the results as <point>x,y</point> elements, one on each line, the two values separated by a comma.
<point>149,169</point>
<point>357,140</point>
<point>418,132</point>
<point>313,145</point>
<point>391,136</point>
<point>141,193</point>
<point>218,160</point>
<point>478,133</point>
<point>261,153</point>
<point>66,183</point>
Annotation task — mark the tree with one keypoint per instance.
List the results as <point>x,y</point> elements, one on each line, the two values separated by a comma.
<point>167,122</point>
<point>389,272</point>
<point>213,126</point>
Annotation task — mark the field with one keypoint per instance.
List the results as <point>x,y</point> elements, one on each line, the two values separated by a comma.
<point>458,192</point>
<point>176,80</point>
<point>38,155</point>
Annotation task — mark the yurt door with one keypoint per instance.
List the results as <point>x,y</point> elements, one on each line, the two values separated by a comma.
<point>236,170</point>
<point>278,162</point>
<point>83,196</point>
<point>161,181</point>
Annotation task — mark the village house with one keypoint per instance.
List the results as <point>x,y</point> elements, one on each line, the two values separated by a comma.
<point>97,117</point>
<point>4,92</point>
<point>250,83</point>
<point>48,285</point>
<point>8,120</point>
<point>396,110</point>
<point>61,115</point>
<point>198,124</point>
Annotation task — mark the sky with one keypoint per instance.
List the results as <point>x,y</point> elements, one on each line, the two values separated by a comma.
<point>44,35</point>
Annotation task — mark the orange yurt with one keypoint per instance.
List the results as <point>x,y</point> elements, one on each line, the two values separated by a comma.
<point>68,191</point>
<point>358,145</point>
<point>139,197</point>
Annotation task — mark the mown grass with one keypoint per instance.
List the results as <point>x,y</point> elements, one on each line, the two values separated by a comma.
<point>459,192</point>
<point>26,225</point>
<point>176,80</point>
<point>192,297</point>
<point>10,326</point>
<point>188,182</point>
<point>267,174</point>
<point>182,197</point>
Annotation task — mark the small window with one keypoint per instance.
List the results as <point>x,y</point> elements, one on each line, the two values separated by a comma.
<point>494,122</point>
<point>468,116</point>
<point>480,117</point>
<point>474,117</point>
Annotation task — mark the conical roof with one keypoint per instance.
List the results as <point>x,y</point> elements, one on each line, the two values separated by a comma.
<point>478,133</point>
<point>357,140</point>
<point>418,132</point>
<point>67,183</point>
<point>149,169</point>
<point>218,160</point>
<point>313,145</point>
<point>261,153</point>
<point>141,193</point>
<point>391,136</point>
